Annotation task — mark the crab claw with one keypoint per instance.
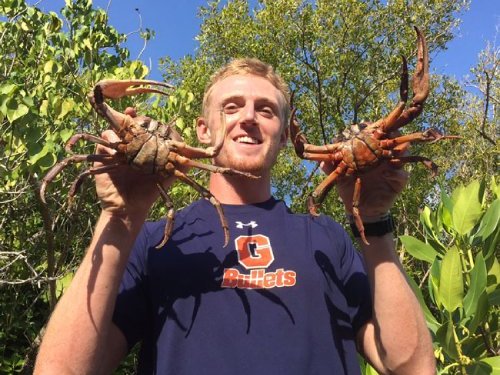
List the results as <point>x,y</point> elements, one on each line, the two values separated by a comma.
<point>115,88</point>
<point>432,136</point>
<point>421,75</point>
<point>420,85</point>
<point>297,137</point>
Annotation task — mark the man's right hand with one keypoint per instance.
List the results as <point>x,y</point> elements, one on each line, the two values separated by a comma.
<point>125,192</point>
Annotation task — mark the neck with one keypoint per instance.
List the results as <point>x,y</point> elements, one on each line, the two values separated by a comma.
<point>240,190</point>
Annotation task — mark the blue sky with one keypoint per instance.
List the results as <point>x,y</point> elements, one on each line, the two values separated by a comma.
<point>176,24</point>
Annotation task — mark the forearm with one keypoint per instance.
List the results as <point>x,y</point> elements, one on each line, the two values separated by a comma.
<point>78,330</point>
<point>403,343</point>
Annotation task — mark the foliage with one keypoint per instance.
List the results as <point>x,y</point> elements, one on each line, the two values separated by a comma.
<point>49,62</point>
<point>463,285</point>
<point>478,118</point>
<point>341,59</point>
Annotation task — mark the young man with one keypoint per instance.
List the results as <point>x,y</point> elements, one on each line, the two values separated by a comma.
<point>288,295</point>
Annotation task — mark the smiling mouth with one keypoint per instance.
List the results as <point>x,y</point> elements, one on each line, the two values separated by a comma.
<point>247,140</point>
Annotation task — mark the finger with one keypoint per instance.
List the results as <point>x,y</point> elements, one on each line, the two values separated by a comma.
<point>131,111</point>
<point>327,168</point>
<point>402,149</point>
<point>110,136</point>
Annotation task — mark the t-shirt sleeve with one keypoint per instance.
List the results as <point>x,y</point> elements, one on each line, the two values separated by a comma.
<point>356,284</point>
<point>132,301</point>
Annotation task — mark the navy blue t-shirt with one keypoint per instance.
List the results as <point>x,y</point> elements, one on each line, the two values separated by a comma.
<point>286,296</point>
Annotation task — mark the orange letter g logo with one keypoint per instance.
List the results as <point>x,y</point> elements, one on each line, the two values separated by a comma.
<point>254,251</point>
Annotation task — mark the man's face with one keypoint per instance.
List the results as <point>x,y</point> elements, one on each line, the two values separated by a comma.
<point>252,109</point>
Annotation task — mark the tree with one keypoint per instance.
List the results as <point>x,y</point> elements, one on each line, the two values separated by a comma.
<point>49,62</point>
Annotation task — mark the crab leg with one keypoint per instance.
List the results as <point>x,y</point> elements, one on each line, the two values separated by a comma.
<point>429,164</point>
<point>199,152</point>
<point>208,167</point>
<point>89,137</point>
<point>170,215</point>
<point>429,135</point>
<point>56,169</point>
<point>207,195</point>
<point>89,172</point>
<point>355,210</point>
<point>337,156</point>
<point>319,194</point>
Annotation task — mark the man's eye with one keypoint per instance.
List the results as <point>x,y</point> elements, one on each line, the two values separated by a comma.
<point>267,111</point>
<point>230,108</point>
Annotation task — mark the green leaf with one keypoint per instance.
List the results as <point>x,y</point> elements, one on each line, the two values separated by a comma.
<point>179,123</point>
<point>66,107</point>
<point>432,323</point>
<point>446,210</point>
<point>433,282</point>
<point>65,134</point>
<point>494,297</point>
<point>369,370</point>
<point>480,314</point>
<point>476,287</point>
<point>7,89</point>
<point>425,219</point>
<point>50,67</point>
<point>44,107</point>
<point>494,362</point>
<point>493,278</point>
<point>494,187</point>
<point>479,369</point>
<point>16,113</point>
<point>451,287</point>
<point>446,337</point>
<point>466,207</point>
<point>63,283</point>
<point>47,148</point>
<point>489,222</point>
<point>419,249</point>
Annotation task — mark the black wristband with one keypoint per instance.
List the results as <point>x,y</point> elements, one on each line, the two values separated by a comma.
<point>376,229</point>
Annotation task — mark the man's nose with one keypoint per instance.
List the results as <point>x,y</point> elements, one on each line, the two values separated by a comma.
<point>249,113</point>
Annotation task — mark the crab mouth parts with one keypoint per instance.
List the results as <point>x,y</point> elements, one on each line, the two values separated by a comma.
<point>247,140</point>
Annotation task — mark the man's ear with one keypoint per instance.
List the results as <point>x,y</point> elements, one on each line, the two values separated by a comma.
<point>203,131</point>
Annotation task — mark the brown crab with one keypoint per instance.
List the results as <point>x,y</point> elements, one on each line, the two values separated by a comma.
<point>145,144</point>
<point>364,146</point>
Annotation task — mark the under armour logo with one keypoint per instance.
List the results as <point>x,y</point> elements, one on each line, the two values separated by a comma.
<point>251,224</point>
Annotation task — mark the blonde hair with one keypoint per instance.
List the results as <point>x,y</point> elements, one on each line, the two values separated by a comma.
<point>250,66</point>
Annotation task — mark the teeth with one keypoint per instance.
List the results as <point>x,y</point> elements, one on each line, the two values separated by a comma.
<point>247,139</point>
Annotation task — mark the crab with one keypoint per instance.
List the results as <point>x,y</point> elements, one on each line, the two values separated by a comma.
<point>364,146</point>
<point>145,144</point>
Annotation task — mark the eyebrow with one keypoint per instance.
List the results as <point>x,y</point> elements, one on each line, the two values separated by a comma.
<point>260,100</point>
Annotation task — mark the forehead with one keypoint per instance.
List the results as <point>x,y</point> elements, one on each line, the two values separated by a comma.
<point>246,86</point>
